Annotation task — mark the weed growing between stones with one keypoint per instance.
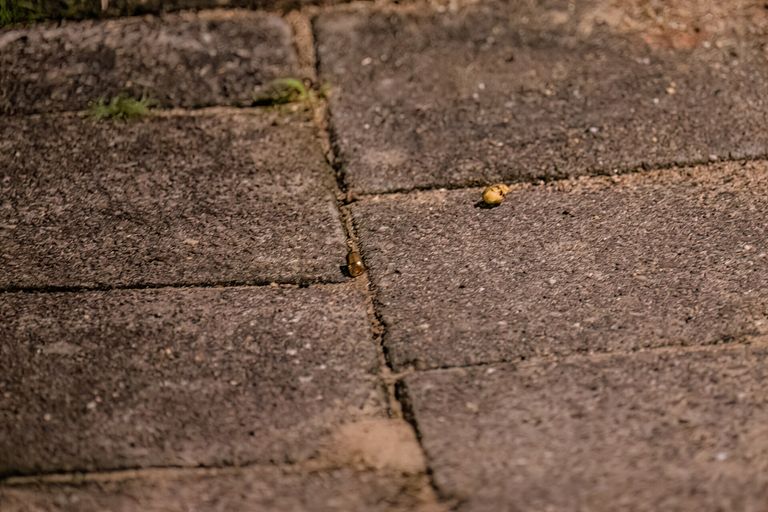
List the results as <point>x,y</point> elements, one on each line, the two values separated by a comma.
<point>286,90</point>
<point>120,108</point>
<point>28,11</point>
<point>15,11</point>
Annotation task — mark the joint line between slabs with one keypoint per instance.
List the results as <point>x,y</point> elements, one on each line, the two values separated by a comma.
<point>638,170</point>
<point>172,286</point>
<point>80,476</point>
<point>757,341</point>
<point>322,116</point>
<point>306,44</point>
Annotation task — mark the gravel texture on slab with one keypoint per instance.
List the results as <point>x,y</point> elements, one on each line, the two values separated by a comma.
<point>675,257</point>
<point>524,90</point>
<point>668,430</point>
<point>181,377</point>
<point>187,199</point>
<point>181,60</point>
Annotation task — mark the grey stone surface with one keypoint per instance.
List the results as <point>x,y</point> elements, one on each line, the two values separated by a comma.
<point>521,90</point>
<point>672,257</point>
<point>256,489</point>
<point>662,430</point>
<point>170,200</point>
<point>180,377</point>
<point>188,60</point>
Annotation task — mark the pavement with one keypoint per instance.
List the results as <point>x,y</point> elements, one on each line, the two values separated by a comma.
<point>181,332</point>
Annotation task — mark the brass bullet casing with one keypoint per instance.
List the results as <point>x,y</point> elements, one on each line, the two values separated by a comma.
<point>355,265</point>
<point>494,195</point>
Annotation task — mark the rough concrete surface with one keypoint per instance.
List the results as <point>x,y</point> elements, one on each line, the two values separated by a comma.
<point>177,333</point>
<point>252,489</point>
<point>180,377</point>
<point>513,91</point>
<point>187,60</point>
<point>173,199</point>
<point>674,257</point>
<point>674,431</point>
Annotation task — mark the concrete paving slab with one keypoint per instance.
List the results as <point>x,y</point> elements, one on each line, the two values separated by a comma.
<point>207,198</point>
<point>674,257</point>
<point>522,90</point>
<point>185,60</point>
<point>662,430</point>
<point>262,489</point>
<point>180,377</point>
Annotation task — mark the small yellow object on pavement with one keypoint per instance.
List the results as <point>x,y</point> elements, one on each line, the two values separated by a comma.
<point>355,265</point>
<point>494,194</point>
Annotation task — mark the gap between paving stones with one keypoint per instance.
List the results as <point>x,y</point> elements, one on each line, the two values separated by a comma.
<point>395,483</point>
<point>305,43</point>
<point>322,117</point>
<point>128,473</point>
<point>116,475</point>
<point>155,286</point>
<point>395,378</point>
<point>409,415</point>
<point>303,40</point>
<point>220,110</point>
<point>636,170</point>
<point>726,343</point>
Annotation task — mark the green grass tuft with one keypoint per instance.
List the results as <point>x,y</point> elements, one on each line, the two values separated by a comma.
<point>16,11</point>
<point>30,11</point>
<point>120,108</point>
<point>286,90</point>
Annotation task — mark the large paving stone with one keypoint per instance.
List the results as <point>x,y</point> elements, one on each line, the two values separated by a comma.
<point>170,200</point>
<point>180,377</point>
<point>673,257</point>
<point>189,60</point>
<point>683,430</point>
<point>522,90</point>
<point>262,489</point>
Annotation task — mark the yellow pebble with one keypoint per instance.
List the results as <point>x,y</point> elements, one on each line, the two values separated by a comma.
<point>494,194</point>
